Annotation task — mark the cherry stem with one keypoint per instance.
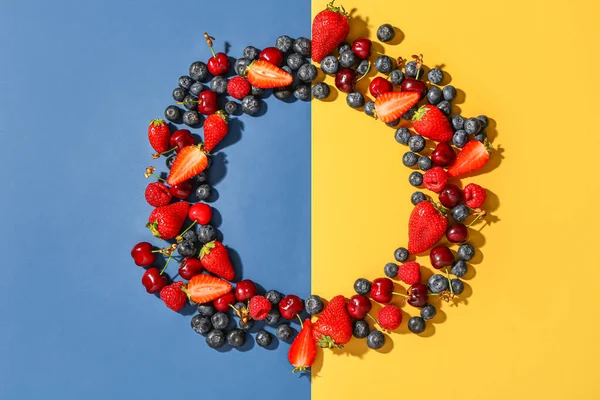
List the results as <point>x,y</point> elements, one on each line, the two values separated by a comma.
<point>188,228</point>
<point>475,220</point>
<point>374,320</point>
<point>400,294</point>
<point>168,151</point>
<point>209,40</point>
<point>158,177</point>
<point>301,323</point>
<point>167,263</point>
<point>449,282</point>
<point>366,72</point>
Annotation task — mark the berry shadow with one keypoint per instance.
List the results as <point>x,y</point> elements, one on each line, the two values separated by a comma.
<point>262,110</point>
<point>494,162</point>
<point>447,77</point>
<point>476,238</point>
<point>218,169</point>
<point>429,330</point>
<point>461,97</point>
<point>463,298</point>
<point>398,37</point>
<point>234,134</point>
<point>188,310</point>
<point>236,261</point>
<point>217,218</point>
<point>214,195</point>
<point>249,345</point>
<point>359,26</point>
<point>440,316</point>
<point>492,201</point>
<point>471,273</point>
<point>491,131</point>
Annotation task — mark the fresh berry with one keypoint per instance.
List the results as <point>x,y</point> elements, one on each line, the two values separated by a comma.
<point>283,93</point>
<point>272,55</point>
<point>334,326</point>
<point>246,325</point>
<point>426,227</point>
<point>190,235</point>
<point>460,139</point>
<point>250,104</point>
<point>142,254</point>
<point>153,281</point>
<point>358,306</point>
<point>450,196</point>
<point>274,296</point>
<point>307,73</point>
<point>215,130</point>
<point>394,123</point>
<point>416,143</point>
<point>437,283</point>
<point>238,87</point>
<point>263,338</point>
<point>345,80</point>
<point>443,155</point>
<point>190,161</point>
<point>431,123</point>
<point>417,295</point>
<point>428,312</point>
<point>231,107</point>
<point>415,178</point>
<point>401,254</point>
<point>375,340</point>
<point>173,296</point>
<point>206,310</point>
<point>410,113</point>
<point>363,67</point>
<point>179,94</point>
<point>483,120</point>
<point>472,157</point>
<point>182,190</point>
<point>459,268</point>
<point>475,195</point>
<point>329,28</point>
<point>284,332</point>
<point>201,213</point>
<point>360,329</point>
<point>198,71</point>
<point>303,351</point>
<point>330,65</point>
<point>440,257</point>
<point>417,197</point>
<point>445,107</point>
<point>392,105</point>
<point>362,48</point>
<point>222,303</point>
<point>390,270</point>
<point>481,137</point>
<point>348,59</point>
<point>411,69</point>
<point>294,61</point>
<point>381,290</point>
<point>466,252</point>
<point>206,233</point>
<point>410,273</point>
<point>185,82</point>
<point>355,99</point>
<point>397,77</point>
<point>369,108</point>
<point>186,248</point>
<point>218,64</point>
<point>457,121</point>
<point>203,192</point>
<point>302,92</point>
<point>219,320</point>
<point>449,93</point>
<point>245,290</point>
<point>265,75</point>
<point>203,288</point>
<point>457,286</point>
<point>435,76</point>
<point>290,306</point>
<point>414,85</point>
<point>240,66</point>
<point>379,85</point>
<point>434,95</point>
<point>201,324</point>
<point>284,43</point>
<point>165,222</point>
<point>259,307</point>
<point>181,139</point>
<point>189,102</point>
<point>435,179</point>
<point>384,64</point>
<point>460,213</point>
<point>362,286</point>
<point>457,233</point>
<point>385,33</point>
<point>424,163</point>
<point>158,135</point>
<point>389,317</point>
<point>402,135</point>
<point>191,118</point>
<point>302,46</point>
<point>190,267</point>
<point>207,102</point>
<point>313,304</point>
<point>172,113</point>
<point>215,259</point>
<point>218,84</point>
<point>216,339</point>
<point>251,53</point>
<point>273,317</point>
<point>416,325</point>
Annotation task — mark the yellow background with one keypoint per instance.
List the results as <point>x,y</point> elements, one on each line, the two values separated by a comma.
<point>528,326</point>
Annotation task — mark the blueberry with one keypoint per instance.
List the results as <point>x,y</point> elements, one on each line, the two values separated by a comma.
<point>362,286</point>
<point>466,252</point>
<point>191,118</point>
<point>437,283</point>
<point>256,91</point>
<point>415,178</point>
<point>424,163</point>
<point>251,53</point>
<point>206,233</point>
<point>202,177</point>
<point>410,159</point>
<point>409,114</point>
<point>284,332</point>
<point>410,69</point>
<point>201,324</point>
<point>263,338</point>
<point>458,122</point>
<point>472,126</point>
<point>481,136</point>
<point>390,270</point>
<point>435,76</point>
<point>370,108</point>
<point>320,90</point>
<point>483,120</point>
<point>445,107</point>
<point>417,197</point>
<point>459,268</point>
<point>172,113</point>
<point>203,192</point>
<point>236,337</point>
<point>206,310</point>
<point>190,102</point>
<point>402,135</point>
<point>282,93</point>
<point>348,59</point>
<point>179,94</point>
<point>384,64</point>
<point>274,296</point>
<point>240,66</point>
<point>416,324</point>
<point>397,77</point>
<point>394,123</point>
<point>355,99</point>
<point>218,84</point>
<point>185,82</point>
<point>434,95</point>
<point>239,306</point>
<point>284,43</point>
<point>313,304</point>
<point>302,92</point>
<point>198,71</point>
<point>330,65</point>
<point>215,339</point>
<point>457,286</point>
<point>375,340</point>
<point>416,143</point>
<point>302,46</point>
<point>449,92</point>
<point>460,213</point>
<point>190,236</point>
<point>363,67</point>
<point>295,61</point>
<point>307,73</point>
<point>428,312</point>
<point>360,329</point>
<point>170,160</point>
<point>344,47</point>
<point>460,138</point>
<point>231,107</point>
<point>186,248</point>
<point>246,326</point>
<point>385,33</point>
<point>287,69</point>
<point>273,317</point>
<point>219,320</point>
<point>196,88</point>
<point>250,104</point>
<point>401,254</point>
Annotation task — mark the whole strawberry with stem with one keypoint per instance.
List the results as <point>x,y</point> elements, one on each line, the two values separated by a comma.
<point>215,129</point>
<point>158,136</point>
<point>426,226</point>
<point>430,122</point>
<point>165,222</point>
<point>303,350</point>
<point>333,329</point>
<point>214,258</point>
<point>330,28</point>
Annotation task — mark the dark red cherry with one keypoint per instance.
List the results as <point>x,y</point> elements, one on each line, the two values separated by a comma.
<point>153,281</point>
<point>190,267</point>
<point>417,295</point>
<point>182,190</point>
<point>457,233</point>
<point>345,80</point>
<point>362,48</point>
<point>223,302</point>
<point>443,155</point>
<point>451,196</point>
<point>244,290</point>
<point>358,306</point>
<point>380,85</point>
<point>142,254</point>
<point>218,64</point>
<point>381,290</point>
<point>272,55</point>
<point>290,306</point>
<point>414,85</point>
<point>207,102</point>
<point>180,139</point>
<point>440,257</point>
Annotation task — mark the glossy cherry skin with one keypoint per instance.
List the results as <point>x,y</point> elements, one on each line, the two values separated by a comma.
<point>142,254</point>
<point>190,267</point>
<point>443,155</point>
<point>362,48</point>
<point>345,80</point>
<point>181,138</point>
<point>182,190</point>
<point>440,257</point>
<point>380,85</point>
<point>153,281</point>
<point>450,196</point>
<point>417,295</point>
<point>244,290</point>
<point>201,213</point>
<point>414,85</point>
<point>218,64</point>
<point>457,233</point>
<point>272,55</point>
<point>381,290</point>
<point>223,302</point>
<point>290,306</point>
<point>207,102</point>
<point>358,306</point>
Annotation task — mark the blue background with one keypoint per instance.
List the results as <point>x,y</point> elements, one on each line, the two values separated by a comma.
<point>79,82</point>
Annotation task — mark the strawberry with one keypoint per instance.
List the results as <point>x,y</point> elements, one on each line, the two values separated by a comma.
<point>165,222</point>
<point>190,161</point>
<point>214,258</point>
<point>474,195</point>
<point>392,105</point>
<point>430,122</point>
<point>203,288</point>
<point>265,75</point>
<point>159,135</point>
<point>174,296</point>
<point>426,226</point>
<point>472,157</point>
<point>259,307</point>
<point>215,129</point>
<point>334,327</point>
<point>435,179</point>
<point>389,317</point>
<point>329,29</point>
<point>303,350</point>
<point>157,194</point>
<point>410,273</point>
<point>238,87</point>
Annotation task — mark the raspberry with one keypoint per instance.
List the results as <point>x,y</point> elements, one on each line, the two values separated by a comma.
<point>157,194</point>
<point>173,296</point>
<point>238,87</point>
<point>410,273</point>
<point>474,195</point>
<point>259,307</point>
<point>389,317</point>
<point>435,179</point>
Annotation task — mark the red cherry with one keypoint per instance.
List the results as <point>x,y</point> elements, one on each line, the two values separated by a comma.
<point>380,85</point>
<point>290,306</point>
<point>381,290</point>
<point>180,139</point>
<point>443,155</point>
<point>182,190</point>
<point>201,213</point>
<point>344,80</point>
<point>358,306</point>
<point>190,267</point>
<point>272,55</point>
<point>417,295</point>
<point>457,233</point>
<point>441,256</point>
<point>450,196</point>
<point>414,85</point>
<point>207,102</point>
<point>244,290</point>
<point>223,302</point>
<point>142,254</point>
<point>218,64</point>
<point>153,281</point>
<point>362,48</point>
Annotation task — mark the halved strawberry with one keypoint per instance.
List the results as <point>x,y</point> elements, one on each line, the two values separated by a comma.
<point>392,105</point>
<point>190,161</point>
<point>472,157</point>
<point>303,350</point>
<point>265,75</point>
<point>203,288</point>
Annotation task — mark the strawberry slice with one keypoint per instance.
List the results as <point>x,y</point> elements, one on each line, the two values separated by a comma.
<point>265,75</point>
<point>190,161</point>
<point>392,105</point>
<point>472,157</point>
<point>203,288</point>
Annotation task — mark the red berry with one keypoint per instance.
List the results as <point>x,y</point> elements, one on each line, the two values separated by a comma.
<point>189,267</point>
<point>457,233</point>
<point>157,194</point>
<point>259,307</point>
<point>417,295</point>
<point>435,179</point>
<point>201,213</point>
<point>379,85</point>
<point>244,290</point>
<point>272,55</point>
<point>440,257</point>
<point>142,254</point>
<point>381,290</point>
<point>389,317</point>
<point>450,196</point>
<point>153,281</point>
<point>475,195</point>
<point>345,80</point>
<point>290,306</point>
<point>222,303</point>
<point>238,87</point>
<point>443,155</point>
<point>173,296</point>
<point>182,190</point>
<point>414,85</point>
<point>218,64</point>
<point>181,139</point>
<point>207,102</point>
<point>410,273</point>
<point>362,48</point>
<point>358,306</point>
